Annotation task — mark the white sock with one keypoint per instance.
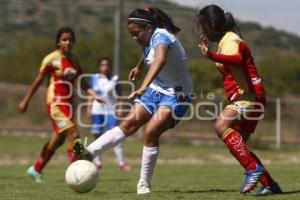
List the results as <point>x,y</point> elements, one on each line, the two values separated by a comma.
<point>97,161</point>
<point>107,140</point>
<point>149,158</point>
<point>119,154</point>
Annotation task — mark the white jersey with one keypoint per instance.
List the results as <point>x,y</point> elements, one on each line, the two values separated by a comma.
<point>105,88</point>
<point>174,77</point>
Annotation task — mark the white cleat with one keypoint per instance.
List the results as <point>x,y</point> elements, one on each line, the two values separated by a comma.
<point>143,188</point>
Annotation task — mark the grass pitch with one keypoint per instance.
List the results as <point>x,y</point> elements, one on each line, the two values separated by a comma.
<point>182,172</point>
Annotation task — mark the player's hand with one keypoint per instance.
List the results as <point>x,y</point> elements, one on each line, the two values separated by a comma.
<point>136,94</point>
<point>23,106</point>
<point>134,74</point>
<point>203,45</point>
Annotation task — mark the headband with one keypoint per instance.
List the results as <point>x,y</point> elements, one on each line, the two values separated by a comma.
<point>138,19</point>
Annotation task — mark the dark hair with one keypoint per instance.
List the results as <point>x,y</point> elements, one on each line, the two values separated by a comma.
<point>106,59</point>
<point>153,16</point>
<point>224,21</point>
<point>62,30</point>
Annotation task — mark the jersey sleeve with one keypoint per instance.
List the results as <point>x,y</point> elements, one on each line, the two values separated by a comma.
<point>229,53</point>
<point>161,39</point>
<point>46,66</point>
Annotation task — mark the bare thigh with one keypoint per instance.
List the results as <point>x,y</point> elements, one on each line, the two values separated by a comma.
<point>161,121</point>
<point>137,117</point>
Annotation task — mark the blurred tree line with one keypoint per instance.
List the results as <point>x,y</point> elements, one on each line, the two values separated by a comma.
<point>25,44</point>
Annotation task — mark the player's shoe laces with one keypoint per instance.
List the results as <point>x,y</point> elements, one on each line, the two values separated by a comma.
<point>274,188</point>
<point>252,178</point>
<point>125,167</point>
<point>36,176</point>
<point>143,188</point>
<point>79,149</point>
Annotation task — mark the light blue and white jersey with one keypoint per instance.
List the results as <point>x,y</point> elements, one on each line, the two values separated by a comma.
<point>105,88</point>
<point>174,77</point>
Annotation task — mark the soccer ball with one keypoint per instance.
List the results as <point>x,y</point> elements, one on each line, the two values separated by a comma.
<point>82,176</point>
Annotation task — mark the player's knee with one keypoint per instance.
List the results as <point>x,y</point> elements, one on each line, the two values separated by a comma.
<point>128,127</point>
<point>150,138</point>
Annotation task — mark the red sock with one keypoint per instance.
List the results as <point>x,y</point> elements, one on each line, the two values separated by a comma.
<point>239,149</point>
<point>266,178</point>
<point>72,157</point>
<point>43,159</point>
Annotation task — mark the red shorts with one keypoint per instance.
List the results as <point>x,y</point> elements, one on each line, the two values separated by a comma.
<point>61,116</point>
<point>252,112</point>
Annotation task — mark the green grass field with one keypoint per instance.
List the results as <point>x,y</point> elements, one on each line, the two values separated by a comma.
<point>182,172</point>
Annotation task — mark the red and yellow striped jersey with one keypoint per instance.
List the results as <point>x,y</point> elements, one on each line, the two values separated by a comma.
<point>62,72</point>
<point>235,62</point>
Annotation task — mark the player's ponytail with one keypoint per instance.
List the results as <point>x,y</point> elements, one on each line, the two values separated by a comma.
<point>153,16</point>
<point>163,20</point>
<point>223,21</point>
<point>230,24</point>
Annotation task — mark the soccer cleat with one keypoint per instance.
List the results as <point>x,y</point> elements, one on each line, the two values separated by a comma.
<point>79,149</point>
<point>252,178</point>
<point>274,188</point>
<point>36,176</point>
<point>125,167</point>
<point>143,188</point>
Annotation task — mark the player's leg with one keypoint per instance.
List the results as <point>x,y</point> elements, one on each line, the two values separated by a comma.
<point>61,119</point>
<point>269,186</point>
<point>72,134</point>
<point>161,121</point>
<point>97,160</point>
<point>137,117</point>
<point>238,147</point>
<point>46,154</point>
<point>99,122</point>
<point>112,122</point>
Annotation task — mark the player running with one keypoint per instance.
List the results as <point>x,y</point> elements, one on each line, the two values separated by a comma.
<point>162,97</point>
<point>61,68</point>
<point>104,116</point>
<point>244,92</point>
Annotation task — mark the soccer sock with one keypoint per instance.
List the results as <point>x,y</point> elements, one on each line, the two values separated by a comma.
<point>108,140</point>
<point>119,154</point>
<point>97,161</point>
<point>266,178</point>
<point>149,158</point>
<point>72,157</point>
<point>239,149</point>
<point>43,159</point>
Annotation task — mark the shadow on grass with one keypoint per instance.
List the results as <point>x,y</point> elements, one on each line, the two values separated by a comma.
<point>198,191</point>
<point>291,192</point>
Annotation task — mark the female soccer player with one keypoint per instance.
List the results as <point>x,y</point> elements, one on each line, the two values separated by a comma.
<point>162,97</point>
<point>244,91</point>
<point>61,68</point>
<point>104,116</point>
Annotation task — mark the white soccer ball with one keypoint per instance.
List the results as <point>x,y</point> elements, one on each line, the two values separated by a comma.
<point>82,176</point>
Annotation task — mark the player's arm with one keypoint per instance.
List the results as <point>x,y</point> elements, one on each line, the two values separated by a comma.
<point>225,59</point>
<point>33,88</point>
<point>135,73</point>
<point>156,66</point>
<point>231,57</point>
